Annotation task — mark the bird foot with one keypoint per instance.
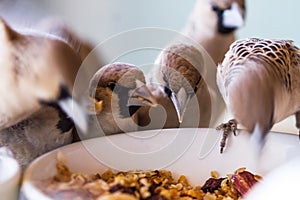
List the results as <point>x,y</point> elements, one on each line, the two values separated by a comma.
<point>229,127</point>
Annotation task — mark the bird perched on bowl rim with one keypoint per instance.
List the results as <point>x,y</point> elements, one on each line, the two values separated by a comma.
<point>37,74</point>
<point>121,90</point>
<point>259,80</point>
<point>213,23</point>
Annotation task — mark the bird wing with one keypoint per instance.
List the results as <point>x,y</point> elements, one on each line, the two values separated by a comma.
<point>255,76</point>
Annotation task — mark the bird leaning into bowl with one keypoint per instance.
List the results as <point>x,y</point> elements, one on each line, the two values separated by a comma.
<point>118,90</point>
<point>36,107</point>
<point>212,24</point>
<point>259,80</point>
<point>175,79</point>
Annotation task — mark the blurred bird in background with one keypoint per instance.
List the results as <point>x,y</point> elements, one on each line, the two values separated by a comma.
<point>37,75</point>
<point>119,90</point>
<point>259,80</point>
<point>212,24</point>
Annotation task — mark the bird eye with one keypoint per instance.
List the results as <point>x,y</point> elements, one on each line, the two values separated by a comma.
<point>111,86</point>
<point>168,91</point>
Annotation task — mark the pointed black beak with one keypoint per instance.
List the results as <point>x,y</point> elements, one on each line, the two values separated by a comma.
<point>72,109</point>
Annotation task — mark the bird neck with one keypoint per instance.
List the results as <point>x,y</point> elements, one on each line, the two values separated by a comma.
<point>112,123</point>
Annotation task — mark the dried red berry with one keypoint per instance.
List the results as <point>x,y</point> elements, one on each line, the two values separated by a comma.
<point>243,181</point>
<point>212,184</point>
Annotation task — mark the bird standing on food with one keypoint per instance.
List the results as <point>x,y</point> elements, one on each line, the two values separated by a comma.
<point>36,107</point>
<point>212,24</point>
<point>119,90</point>
<point>178,71</point>
<point>259,80</point>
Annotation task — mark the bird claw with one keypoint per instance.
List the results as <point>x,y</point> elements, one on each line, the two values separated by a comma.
<point>229,127</point>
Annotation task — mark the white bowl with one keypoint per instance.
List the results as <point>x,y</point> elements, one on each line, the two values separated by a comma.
<point>192,152</point>
<point>10,173</point>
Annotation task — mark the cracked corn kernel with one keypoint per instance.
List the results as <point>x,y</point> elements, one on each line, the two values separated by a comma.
<point>214,174</point>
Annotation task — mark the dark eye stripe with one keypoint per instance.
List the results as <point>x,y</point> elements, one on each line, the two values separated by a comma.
<point>111,86</point>
<point>168,91</point>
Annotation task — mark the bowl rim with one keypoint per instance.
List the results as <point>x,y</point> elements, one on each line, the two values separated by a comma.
<point>15,169</point>
<point>31,192</point>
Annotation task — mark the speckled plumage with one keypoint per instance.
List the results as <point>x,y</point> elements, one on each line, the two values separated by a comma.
<point>260,82</point>
<point>184,59</point>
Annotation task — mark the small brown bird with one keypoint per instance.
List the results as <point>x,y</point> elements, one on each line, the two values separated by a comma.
<point>37,110</point>
<point>25,65</point>
<point>120,89</point>
<point>212,24</point>
<point>259,80</point>
<point>178,71</point>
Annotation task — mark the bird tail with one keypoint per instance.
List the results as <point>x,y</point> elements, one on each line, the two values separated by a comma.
<point>251,92</point>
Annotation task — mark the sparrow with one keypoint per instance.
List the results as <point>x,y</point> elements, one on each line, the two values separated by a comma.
<point>259,80</point>
<point>119,90</point>
<point>213,23</point>
<point>37,109</point>
<point>177,75</point>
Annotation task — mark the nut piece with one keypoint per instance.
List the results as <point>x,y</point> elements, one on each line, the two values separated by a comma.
<point>243,181</point>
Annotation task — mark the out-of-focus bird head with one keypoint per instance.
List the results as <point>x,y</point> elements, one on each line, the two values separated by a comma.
<point>230,14</point>
<point>180,71</point>
<point>41,69</point>
<point>120,86</point>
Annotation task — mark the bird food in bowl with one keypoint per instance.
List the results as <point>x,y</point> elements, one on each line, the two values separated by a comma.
<point>169,164</point>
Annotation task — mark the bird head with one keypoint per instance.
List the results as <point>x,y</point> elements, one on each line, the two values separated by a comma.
<point>230,14</point>
<point>120,86</point>
<point>180,71</point>
<point>41,70</point>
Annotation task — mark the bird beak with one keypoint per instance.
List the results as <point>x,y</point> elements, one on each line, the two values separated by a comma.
<point>142,96</point>
<point>76,112</point>
<point>180,101</point>
<point>73,109</point>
